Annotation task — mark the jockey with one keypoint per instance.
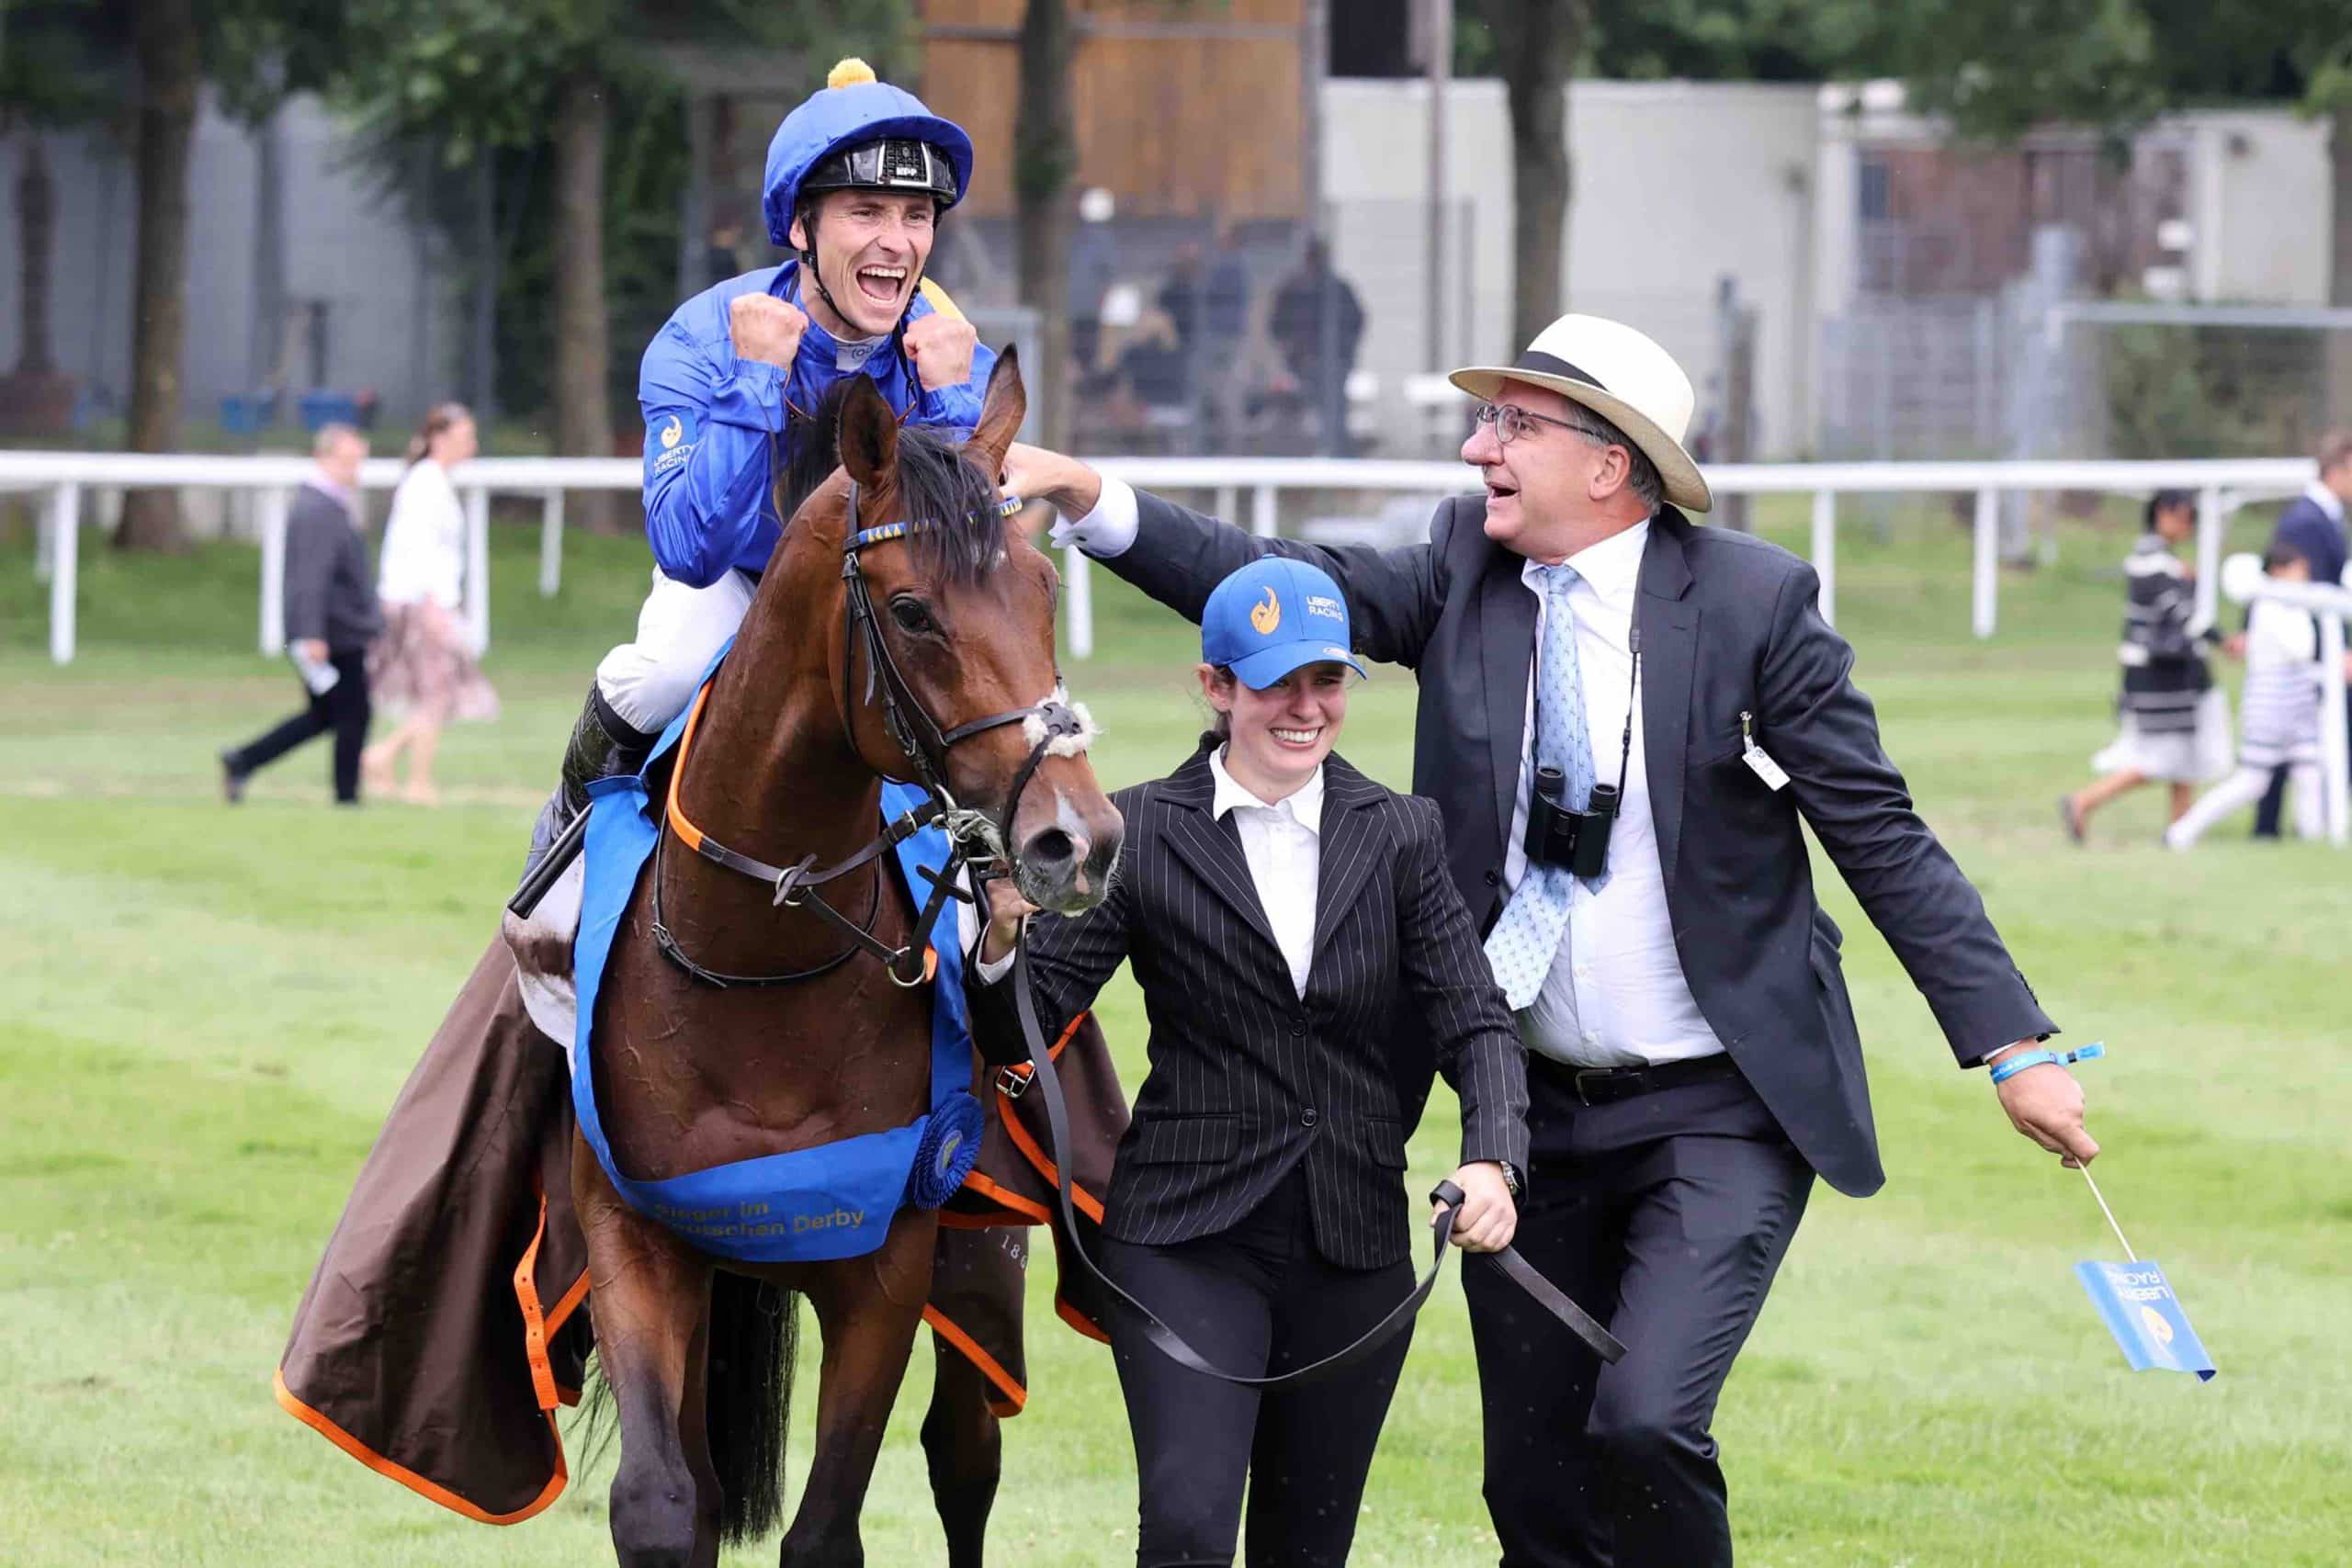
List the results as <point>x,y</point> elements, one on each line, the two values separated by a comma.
<point>857,178</point>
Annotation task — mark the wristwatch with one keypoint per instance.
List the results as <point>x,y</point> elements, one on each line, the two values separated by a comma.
<point>1510,1177</point>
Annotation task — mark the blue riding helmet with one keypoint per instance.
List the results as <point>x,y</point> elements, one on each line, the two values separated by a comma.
<point>858,133</point>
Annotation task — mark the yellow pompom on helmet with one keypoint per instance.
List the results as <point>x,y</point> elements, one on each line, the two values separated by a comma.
<point>859,133</point>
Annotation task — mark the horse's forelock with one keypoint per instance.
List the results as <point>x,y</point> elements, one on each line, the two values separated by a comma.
<point>938,484</point>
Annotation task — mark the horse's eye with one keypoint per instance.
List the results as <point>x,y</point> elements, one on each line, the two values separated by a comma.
<point>912,616</point>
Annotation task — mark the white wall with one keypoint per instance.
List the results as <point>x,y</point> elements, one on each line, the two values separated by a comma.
<point>2259,206</point>
<point>393,321</point>
<point>1676,184</point>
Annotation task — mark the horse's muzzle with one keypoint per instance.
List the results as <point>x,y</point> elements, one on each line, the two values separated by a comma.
<point>1065,866</point>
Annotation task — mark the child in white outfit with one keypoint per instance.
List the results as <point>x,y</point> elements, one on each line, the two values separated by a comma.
<point>2281,712</point>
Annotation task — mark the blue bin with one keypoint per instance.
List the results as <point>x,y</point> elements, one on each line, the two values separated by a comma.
<point>320,409</point>
<point>246,415</point>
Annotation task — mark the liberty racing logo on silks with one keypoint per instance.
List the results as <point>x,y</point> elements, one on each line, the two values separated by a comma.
<point>676,447</point>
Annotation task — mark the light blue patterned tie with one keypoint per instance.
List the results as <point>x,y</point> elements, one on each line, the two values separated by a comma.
<point>1527,938</point>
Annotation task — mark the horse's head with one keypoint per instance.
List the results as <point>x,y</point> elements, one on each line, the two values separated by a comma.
<point>963,611</point>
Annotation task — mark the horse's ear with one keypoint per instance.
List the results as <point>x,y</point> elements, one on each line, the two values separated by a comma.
<point>869,434</point>
<point>1003,408</point>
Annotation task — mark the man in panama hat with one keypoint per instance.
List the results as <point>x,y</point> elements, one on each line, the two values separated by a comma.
<point>1627,722</point>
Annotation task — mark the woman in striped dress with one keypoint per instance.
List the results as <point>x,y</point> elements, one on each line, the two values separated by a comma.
<point>2176,724</point>
<point>2281,719</point>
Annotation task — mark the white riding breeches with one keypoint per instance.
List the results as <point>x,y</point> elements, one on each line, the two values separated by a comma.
<point>679,631</point>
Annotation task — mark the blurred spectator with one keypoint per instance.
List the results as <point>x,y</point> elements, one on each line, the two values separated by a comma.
<point>2281,717</point>
<point>2176,724</point>
<point>331,617</point>
<point>1152,365</point>
<point>1183,296</point>
<point>2313,526</point>
<point>1317,324</point>
<point>422,663</point>
<point>725,257</point>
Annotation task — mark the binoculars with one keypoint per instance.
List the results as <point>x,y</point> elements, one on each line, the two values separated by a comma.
<point>1559,835</point>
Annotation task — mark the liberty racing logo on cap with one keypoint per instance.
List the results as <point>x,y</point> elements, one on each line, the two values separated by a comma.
<point>1267,616</point>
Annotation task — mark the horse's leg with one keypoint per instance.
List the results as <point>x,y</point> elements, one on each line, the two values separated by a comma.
<point>649,1296</point>
<point>867,1309</point>
<point>965,1453</point>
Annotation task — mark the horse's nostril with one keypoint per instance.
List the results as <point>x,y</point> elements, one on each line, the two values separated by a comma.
<point>1051,847</point>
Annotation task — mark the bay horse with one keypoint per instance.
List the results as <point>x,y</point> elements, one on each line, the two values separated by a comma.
<point>951,617</point>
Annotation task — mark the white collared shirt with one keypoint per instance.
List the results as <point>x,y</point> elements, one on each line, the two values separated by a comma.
<point>1615,995</point>
<point>424,542</point>
<point>1283,844</point>
<point>2326,500</point>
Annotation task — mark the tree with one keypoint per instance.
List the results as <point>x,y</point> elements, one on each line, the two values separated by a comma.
<point>52,76</point>
<point>1045,159</point>
<point>1534,43</point>
<point>165,36</point>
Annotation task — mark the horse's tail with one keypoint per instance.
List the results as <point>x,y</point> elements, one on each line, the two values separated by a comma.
<point>755,1337</point>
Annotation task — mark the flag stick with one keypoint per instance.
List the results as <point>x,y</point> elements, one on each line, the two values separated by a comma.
<point>2128,1254</point>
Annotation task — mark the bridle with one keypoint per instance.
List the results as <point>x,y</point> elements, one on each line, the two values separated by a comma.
<point>977,843</point>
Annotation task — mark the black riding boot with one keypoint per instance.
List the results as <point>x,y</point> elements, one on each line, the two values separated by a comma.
<point>604,745</point>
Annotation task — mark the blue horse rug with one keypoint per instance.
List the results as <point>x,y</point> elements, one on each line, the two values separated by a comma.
<point>809,1206</point>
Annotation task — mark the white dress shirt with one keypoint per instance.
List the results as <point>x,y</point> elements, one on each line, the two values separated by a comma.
<point>2326,500</point>
<point>1109,529</point>
<point>1282,843</point>
<point>1616,996</point>
<point>425,543</point>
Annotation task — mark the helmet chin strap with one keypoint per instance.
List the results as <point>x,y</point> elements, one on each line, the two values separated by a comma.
<point>809,269</point>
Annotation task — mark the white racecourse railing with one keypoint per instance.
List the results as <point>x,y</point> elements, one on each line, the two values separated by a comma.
<point>2221,485</point>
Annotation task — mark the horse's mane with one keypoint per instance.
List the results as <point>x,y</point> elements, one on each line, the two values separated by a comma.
<point>937,484</point>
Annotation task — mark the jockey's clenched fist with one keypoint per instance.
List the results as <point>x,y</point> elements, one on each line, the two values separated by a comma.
<point>941,347</point>
<point>765,328</point>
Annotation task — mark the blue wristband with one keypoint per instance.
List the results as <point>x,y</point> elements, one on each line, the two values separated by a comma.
<point>2003,1071</point>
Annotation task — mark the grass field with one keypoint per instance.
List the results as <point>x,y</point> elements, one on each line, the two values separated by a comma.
<point>205,1012</point>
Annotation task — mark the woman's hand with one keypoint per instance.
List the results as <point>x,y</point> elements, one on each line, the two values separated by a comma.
<point>1489,1218</point>
<point>1007,910</point>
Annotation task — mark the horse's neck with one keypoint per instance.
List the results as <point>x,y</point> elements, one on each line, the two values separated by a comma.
<point>773,775</point>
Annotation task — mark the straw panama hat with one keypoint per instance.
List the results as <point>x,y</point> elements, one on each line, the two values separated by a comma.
<point>1619,374</point>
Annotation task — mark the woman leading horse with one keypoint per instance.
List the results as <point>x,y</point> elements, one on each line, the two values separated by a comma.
<point>899,632</point>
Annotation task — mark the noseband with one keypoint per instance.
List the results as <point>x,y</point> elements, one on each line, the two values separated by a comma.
<point>975,840</point>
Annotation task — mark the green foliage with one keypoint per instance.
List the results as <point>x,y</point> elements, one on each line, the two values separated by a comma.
<point>2195,392</point>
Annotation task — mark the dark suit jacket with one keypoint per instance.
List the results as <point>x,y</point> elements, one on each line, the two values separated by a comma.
<point>1727,624</point>
<point>330,593</point>
<point>2320,538</point>
<point>1247,1079</point>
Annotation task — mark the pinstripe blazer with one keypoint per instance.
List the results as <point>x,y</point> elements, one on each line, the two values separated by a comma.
<point>1247,1079</point>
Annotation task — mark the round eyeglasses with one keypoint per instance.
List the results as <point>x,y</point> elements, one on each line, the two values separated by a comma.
<point>1511,422</point>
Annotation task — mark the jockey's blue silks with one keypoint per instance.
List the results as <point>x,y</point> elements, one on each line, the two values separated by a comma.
<point>809,1206</point>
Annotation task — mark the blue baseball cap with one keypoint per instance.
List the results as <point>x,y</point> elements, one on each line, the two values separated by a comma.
<point>1271,616</point>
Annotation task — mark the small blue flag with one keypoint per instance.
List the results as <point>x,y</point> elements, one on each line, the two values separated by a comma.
<point>2145,1318</point>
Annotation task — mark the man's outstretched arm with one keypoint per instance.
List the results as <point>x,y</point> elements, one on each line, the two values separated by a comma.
<point>1177,555</point>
